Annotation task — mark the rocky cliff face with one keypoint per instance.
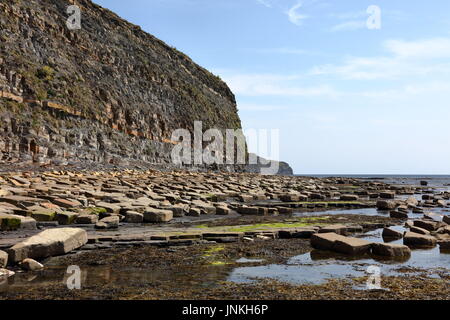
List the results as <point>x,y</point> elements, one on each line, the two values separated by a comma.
<point>107,92</point>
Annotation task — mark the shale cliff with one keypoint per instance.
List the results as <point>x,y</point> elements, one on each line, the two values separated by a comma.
<point>108,92</point>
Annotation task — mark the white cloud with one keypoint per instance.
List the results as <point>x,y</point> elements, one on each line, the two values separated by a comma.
<point>422,49</point>
<point>274,85</point>
<point>295,17</point>
<point>404,59</point>
<point>265,3</point>
<point>258,107</point>
<point>284,50</point>
<point>349,25</point>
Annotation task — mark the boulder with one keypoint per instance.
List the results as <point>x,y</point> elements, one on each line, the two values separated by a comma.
<point>50,242</point>
<point>248,210</point>
<point>44,215</point>
<point>336,228</point>
<point>222,211</point>
<point>325,241</point>
<point>4,273</point>
<point>194,212</point>
<point>109,207</point>
<point>398,215</point>
<point>352,246</point>
<point>349,197</point>
<point>411,201</point>
<point>418,210</point>
<point>13,222</point>
<point>444,244</point>
<point>157,215</point>
<point>419,230</point>
<point>390,250</point>
<point>427,225</point>
<point>446,219</point>
<point>31,265</point>
<point>391,234</point>
<point>134,217</point>
<point>179,209</point>
<point>207,207</point>
<point>3,259</point>
<point>386,205</point>
<point>415,239</point>
<point>441,203</point>
<point>86,219</point>
<point>387,195</point>
<point>111,222</point>
<point>245,198</point>
<point>64,203</point>
<point>66,217</point>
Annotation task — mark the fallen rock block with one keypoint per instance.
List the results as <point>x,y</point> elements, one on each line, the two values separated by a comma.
<point>86,219</point>
<point>337,228</point>
<point>251,211</point>
<point>297,233</point>
<point>31,265</point>
<point>66,203</point>
<point>66,217</point>
<point>398,215</point>
<point>50,242</point>
<point>157,215</point>
<point>446,219</point>
<point>352,246</point>
<point>111,222</point>
<point>325,241</point>
<point>5,273</point>
<point>349,197</point>
<point>10,222</point>
<point>390,250</point>
<point>44,215</point>
<point>134,217</point>
<point>444,244</point>
<point>387,195</point>
<point>419,230</point>
<point>222,211</point>
<point>386,205</point>
<point>3,259</point>
<point>415,239</point>
<point>109,207</point>
<point>194,212</point>
<point>427,225</point>
<point>391,234</point>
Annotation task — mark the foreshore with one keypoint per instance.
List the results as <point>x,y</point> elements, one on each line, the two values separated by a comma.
<point>182,235</point>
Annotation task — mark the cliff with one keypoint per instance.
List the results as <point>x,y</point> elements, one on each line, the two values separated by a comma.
<point>107,93</point>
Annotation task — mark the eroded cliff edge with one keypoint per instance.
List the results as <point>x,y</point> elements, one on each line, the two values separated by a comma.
<point>108,92</point>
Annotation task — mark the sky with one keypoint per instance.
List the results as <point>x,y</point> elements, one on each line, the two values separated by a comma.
<point>351,90</point>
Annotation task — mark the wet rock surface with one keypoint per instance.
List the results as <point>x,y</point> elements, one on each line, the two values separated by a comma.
<point>277,227</point>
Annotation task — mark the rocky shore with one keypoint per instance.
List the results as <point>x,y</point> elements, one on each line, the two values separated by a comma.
<point>125,218</point>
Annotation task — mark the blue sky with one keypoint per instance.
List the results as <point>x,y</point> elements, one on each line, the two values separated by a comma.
<point>347,99</point>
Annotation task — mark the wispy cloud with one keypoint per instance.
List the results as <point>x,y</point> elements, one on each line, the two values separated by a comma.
<point>274,85</point>
<point>265,3</point>
<point>294,16</point>
<point>282,50</point>
<point>404,59</point>
<point>349,25</point>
